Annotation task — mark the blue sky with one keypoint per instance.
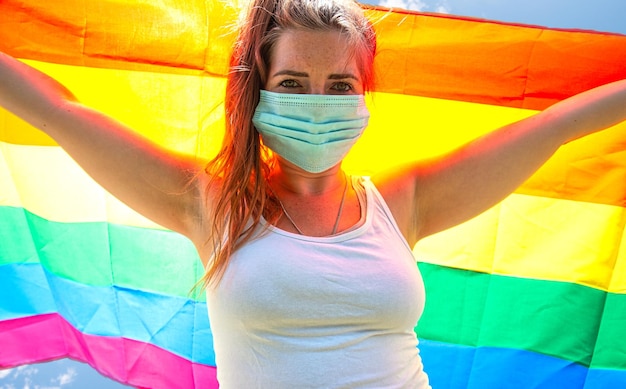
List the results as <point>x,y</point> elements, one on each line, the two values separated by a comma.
<point>599,15</point>
<point>61,374</point>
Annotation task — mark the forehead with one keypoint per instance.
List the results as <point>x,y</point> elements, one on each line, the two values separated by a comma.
<point>313,51</point>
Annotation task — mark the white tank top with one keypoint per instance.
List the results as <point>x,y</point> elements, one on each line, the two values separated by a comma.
<point>295,311</point>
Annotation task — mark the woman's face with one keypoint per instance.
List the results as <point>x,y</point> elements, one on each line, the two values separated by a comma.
<point>313,62</point>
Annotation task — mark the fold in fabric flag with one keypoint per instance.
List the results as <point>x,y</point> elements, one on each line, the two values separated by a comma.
<point>530,294</point>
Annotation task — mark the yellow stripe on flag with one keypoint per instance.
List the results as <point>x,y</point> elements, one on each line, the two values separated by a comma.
<point>572,241</point>
<point>537,237</point>
<point>181,112</point>
<point>618,280</point>
<point>48,183</point>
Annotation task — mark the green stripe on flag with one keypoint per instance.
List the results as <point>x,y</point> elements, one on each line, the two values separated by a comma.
<point>554,318</point>
<point>101,254</point>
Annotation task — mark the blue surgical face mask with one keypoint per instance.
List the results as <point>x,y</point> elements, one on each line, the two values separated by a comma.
<point>314,132</point>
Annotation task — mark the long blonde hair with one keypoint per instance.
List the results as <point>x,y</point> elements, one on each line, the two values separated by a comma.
<point>240,170</point>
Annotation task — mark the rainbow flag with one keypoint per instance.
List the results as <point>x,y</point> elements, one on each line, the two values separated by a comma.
<point>530,294</point>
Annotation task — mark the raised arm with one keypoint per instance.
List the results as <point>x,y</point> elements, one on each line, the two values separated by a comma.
<point>444,192</point>
<point>162,186</point>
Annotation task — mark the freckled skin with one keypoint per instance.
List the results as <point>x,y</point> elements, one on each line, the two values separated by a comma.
<point>313,62</point>
<point>321,56</point>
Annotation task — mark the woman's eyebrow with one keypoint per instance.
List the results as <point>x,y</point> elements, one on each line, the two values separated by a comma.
<point>287,72</point>
<point>342,76</point>
<point>338,76</point>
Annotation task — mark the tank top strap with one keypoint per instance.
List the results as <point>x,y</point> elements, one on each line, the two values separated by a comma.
<point>380,205</point>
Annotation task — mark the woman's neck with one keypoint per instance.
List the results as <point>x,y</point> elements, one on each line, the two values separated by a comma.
<point>289,178</point>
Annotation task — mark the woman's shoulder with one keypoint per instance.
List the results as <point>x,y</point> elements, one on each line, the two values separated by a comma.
<point>398,190</point>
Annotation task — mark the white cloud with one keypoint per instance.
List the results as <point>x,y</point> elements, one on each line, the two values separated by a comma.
<point>414,5</point>
<point>5,372</point>
<point>443,8</point>
<point>67,377</point>
<point>25,370</point>
<point>17,372</point>
<point>439,6</point>
<point>22,378</point>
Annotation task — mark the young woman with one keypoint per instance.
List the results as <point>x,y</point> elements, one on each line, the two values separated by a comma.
<point>310,277</point>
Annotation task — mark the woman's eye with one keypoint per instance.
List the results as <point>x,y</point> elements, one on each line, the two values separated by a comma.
<point>289,84</point>
<point>342,87</point>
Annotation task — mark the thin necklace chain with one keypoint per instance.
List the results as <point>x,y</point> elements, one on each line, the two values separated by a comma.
<point>335,227</point>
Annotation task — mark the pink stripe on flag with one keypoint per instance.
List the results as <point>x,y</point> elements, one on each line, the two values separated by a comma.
<point>46,337</point>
